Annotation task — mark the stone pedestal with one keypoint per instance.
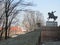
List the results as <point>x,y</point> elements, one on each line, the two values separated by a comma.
<point>51,24</point>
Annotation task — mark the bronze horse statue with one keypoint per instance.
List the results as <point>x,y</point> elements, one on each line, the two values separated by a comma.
<point>52,16</point>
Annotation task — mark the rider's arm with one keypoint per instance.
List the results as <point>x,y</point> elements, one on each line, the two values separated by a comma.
<point>54,11</point>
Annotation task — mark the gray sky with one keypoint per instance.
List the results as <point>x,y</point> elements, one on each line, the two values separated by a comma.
<point>45,6</point>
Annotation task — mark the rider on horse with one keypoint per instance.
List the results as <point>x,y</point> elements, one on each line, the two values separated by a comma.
<point>51,15</point>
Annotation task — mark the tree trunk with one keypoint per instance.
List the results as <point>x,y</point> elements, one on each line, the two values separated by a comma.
<point>6,12</point>
<point>6,27</point>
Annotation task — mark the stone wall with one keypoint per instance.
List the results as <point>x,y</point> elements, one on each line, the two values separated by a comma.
<point>50,33</point>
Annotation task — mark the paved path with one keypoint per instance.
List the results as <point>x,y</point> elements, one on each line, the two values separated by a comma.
<point>30,38</point>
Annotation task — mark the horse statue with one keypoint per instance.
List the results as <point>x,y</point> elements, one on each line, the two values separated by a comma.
<point>52,16</point>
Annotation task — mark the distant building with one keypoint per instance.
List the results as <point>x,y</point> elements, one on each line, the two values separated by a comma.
<point>15,30</point>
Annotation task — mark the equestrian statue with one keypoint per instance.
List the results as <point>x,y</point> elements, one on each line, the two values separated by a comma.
<point>52,16</point>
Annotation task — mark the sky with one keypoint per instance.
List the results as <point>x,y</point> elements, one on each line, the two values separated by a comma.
<point>45,6</point>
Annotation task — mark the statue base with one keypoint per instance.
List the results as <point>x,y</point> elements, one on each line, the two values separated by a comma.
<point>51,24</point>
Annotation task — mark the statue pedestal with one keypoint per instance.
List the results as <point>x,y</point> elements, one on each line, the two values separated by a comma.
<point>51,24</point>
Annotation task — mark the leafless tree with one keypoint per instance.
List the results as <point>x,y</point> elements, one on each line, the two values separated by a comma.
<point>10,12</point>
<point>31,18</point>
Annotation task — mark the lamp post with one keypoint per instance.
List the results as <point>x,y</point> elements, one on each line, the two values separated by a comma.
<point>39,38</point>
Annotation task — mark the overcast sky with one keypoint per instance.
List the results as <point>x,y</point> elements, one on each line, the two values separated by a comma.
<point>45,6</point>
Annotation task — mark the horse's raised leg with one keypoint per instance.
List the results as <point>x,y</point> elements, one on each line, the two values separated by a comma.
<point>54,19</point>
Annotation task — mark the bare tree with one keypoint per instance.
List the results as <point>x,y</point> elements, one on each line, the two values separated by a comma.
<point>31,18</point>
<point>10,12</point>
